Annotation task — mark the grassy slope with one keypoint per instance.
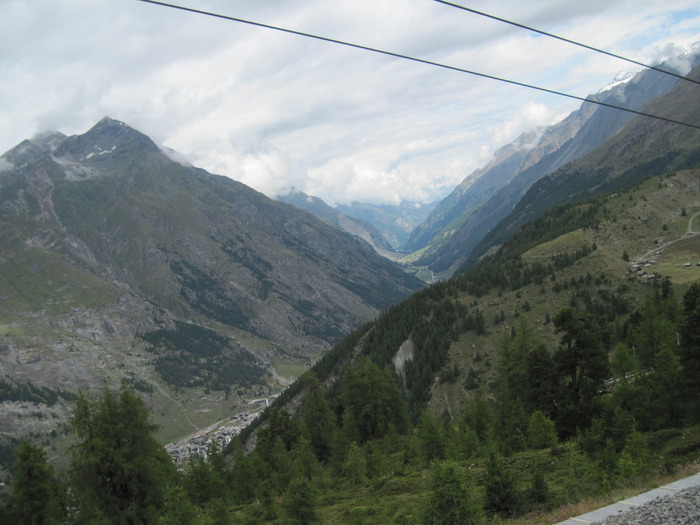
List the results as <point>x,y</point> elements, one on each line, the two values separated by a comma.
<point>637,228</point>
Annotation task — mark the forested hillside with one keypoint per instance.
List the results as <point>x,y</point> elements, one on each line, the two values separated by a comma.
<point>555,370</point>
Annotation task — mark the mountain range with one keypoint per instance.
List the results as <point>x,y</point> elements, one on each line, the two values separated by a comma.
<point>120,263</point>
<point>357,227</point>
<point>598,236</point>
<point>461,221</point>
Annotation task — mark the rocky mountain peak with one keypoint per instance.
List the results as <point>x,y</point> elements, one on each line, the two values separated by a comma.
<point>107,137</point>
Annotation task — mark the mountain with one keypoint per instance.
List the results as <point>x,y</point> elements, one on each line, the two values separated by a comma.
<point>561,364</point>
<point>558,368</point>
<point>357,227</point>
<point>597,235</point>
<point>394,221</point>
<point>484,198</point>
<point>641,149</point>
<point>120,263</point>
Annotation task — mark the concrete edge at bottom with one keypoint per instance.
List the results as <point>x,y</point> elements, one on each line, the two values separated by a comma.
<point>635,501</point>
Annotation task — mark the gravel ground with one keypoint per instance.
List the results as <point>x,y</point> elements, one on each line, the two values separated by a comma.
<point>680,509</point>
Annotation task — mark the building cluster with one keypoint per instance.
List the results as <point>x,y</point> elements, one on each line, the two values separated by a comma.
<point>641,269</point>
<point>218,435</point>
<point>638,269</point>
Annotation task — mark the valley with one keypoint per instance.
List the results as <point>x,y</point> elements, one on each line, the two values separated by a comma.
<point>539,350</point>
<point>196,291</point>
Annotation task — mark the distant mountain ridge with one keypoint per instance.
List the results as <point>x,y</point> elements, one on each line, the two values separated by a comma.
<point>118,262</point>
<point>485,197</point>
<point>356,227</point>
<point>386,227</point>
<point>641,149</point>
<point>395,221</point>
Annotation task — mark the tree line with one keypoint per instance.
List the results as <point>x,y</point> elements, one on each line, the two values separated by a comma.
<point>588,403</point>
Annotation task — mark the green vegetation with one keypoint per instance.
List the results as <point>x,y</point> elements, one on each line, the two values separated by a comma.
<point>587,389</point>
<point>37,497</point>
<point>207,295</point>
<point>189,355</point>
<point>351,455</point>
<point>31,393</point>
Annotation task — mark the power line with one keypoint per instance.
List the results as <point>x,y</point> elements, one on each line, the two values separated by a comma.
<point>414,59</point>
<point>568,41</point>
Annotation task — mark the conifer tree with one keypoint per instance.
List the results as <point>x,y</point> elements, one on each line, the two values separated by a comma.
<point>304,460</point>
<point>177,508</point>
<point>206,479</point>
<point>430,438</point>
<point>318,419</point>
<point>583,362</point>
<point>299,503</point>
<point>541,432</point>
<point>542,382</point>
<point>36,497</point>
<point>280,426</point>
<point>690,350</point>
<point>538,493</point>
<point>372,402</point>
<point>245,474</point>
<point>501,495</point>
<point>355,466</point>
<point>477,416</point>
<point>451,500</point>
<point>118,470</point>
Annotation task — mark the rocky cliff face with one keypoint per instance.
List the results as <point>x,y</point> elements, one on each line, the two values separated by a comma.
<point>117,262</point>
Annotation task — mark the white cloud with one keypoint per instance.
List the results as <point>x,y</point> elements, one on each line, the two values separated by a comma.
<point>277,111</point>
<point>5,165</point>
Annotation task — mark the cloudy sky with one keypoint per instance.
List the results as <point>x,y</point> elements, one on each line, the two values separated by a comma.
<point>280,112</point>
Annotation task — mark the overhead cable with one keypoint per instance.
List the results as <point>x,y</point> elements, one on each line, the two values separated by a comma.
<point>414,59</point>
<point>568,41</point>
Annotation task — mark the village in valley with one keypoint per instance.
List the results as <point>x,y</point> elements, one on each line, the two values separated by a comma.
<point>217,436</point>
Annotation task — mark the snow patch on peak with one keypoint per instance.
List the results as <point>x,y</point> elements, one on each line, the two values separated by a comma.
<point>98,151</point>
<point>621,78</point>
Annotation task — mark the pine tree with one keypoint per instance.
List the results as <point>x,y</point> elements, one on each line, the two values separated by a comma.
<point>634,458</point>
<point>538,493</point>
<point>542,387</point>
<point>430,438</point>
<point>246,472</point>
<point>501,495</point>
<point>118,469</point>
<point>280,426</point>
<point>690,350</point>
<point>318,421</point>
<point>477,416</point>
<point>355,466</point>
<point>372,402</point>
<point>205,479</point>
<point>36,497</point>
<point>299,503</point>
<point>451,500</point>
<point>177,508</point>
<point>582,360</point>
<point>541,432</point>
